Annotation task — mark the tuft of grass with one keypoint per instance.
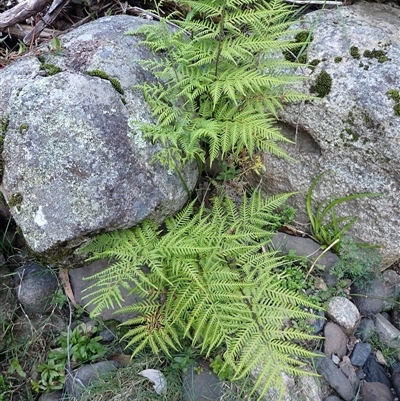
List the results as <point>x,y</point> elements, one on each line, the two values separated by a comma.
<point>325,226</point>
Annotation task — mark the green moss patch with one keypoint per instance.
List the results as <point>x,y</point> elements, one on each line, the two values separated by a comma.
<point>23,128</point>
<point>4,125</point>
<point>103,75</point>
<point>354,52</point>
<point>312,64</point>
<point>395,96</point>
<point>322,85</point>
<point>380,55</point>
<point>338,59</point>
<point>299,52</point>
<point>15,200</point>
<point>50,69</point>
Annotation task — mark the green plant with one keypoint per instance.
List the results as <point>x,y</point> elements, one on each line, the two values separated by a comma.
<point>329,233</point>
<point>52,376</point>
<point>389,353</point>
<point>357,263</point>
<point>221,78</point>
<point>208,279</point>
<point>76,347</point>
<point>183,360</point>
<point>219,367</point>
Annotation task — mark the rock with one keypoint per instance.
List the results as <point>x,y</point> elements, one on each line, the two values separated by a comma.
<point>387,333</point>
<point>374,372</point>
<point>35,287</point>
<point>396,379</point>
<point>352,131</point>
<point>318,323</point>
<point>55,396</point>
<point>332,398</point>
<point>80,280</point>
<point>305,388</point>
<point>341,311</point>
<point>365,329</point>
<point>375,391</point>
<point>74,161</point>
<point>75,385</point>
<point>368,298</point>
<point>335,340</point>
<point>391,282</point>
<point>307,247</point>
<point>335,378</point>
<point>360,354</point>
<point>348,370</point>
<point>201,386</point>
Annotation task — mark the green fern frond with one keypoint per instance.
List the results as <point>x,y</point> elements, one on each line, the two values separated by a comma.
<point>208,280</point>
<point>221,63</point>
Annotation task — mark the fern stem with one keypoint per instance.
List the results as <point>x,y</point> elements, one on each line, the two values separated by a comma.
<point>220,36</point>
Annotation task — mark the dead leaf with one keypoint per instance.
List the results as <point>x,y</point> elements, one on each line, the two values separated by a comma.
<point>64,278</point>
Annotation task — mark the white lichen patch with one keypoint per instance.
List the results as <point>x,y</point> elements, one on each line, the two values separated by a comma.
<point>40,218</point>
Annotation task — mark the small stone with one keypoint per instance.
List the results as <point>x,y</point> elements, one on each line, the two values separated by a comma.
<point>336,379</point>
<point>319,322</point>
<point>365,329</point>
<point>360,354</point>
<point>320,284</point>
<point>80,281</point>
<point>56,396</point>
<point>396,379</point>
<point>380,358</point>
<point>332,398</point>
<point>368,298</point>
<point>348,370</point>
<point>375,391</point>
<point>375,372</point>
<point>388,334</point>
<point>335,340</point>
<point>35,287</point>
<point>201,386</point>
<point>343,312</point>
<point>81,378</point>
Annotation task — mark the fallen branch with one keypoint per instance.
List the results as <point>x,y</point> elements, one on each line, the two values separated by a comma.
<point>21,30</point>
<point>21,12</point>
<point>47,19</point>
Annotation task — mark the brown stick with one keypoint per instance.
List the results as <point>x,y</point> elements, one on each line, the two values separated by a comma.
<point>21,12</point>
<point>21,30</point>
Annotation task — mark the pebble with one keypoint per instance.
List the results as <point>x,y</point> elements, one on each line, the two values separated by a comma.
<point>348,370</point>
<point>335,340</point>
<point>35,287</point>
<point>365,329</point>
<point>375,391</point>
<point>332,398</point>
<point>368,299</point>
<point>201,386</point>
<point>360,354</point>
<point>336,379</point>
<point>75,385</point>
<point>374,372</point>
<point>388,334</point>
<point>344,313</point>
<point>396,379</point>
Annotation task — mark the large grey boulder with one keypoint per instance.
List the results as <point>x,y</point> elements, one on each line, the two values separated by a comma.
<point>75,162</point>
<point>355,129</point>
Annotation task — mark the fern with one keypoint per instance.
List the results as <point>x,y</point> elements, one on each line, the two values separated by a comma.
<point>221,78</point>
<point>208,280</point>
